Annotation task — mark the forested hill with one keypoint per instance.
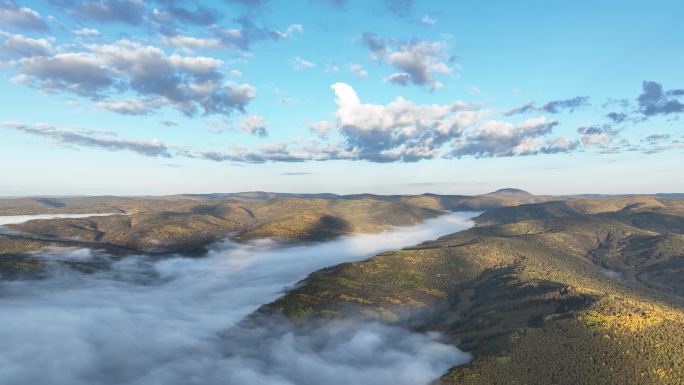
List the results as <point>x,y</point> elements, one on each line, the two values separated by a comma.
<point>581,292</point>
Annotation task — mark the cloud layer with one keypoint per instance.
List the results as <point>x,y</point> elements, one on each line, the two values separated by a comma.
<point>400,131</point>
<point>551,107</point>
<point>89,138</point>
<point>191,84</point>
<point>17,16</point>
<point>145,321</point>
<point>498,138</point>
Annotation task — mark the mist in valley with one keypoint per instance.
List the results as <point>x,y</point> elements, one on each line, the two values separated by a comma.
<point>173,320</point>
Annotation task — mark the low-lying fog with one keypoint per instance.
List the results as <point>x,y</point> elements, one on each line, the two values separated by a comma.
<point>13,219</point>
<point>164,322</point>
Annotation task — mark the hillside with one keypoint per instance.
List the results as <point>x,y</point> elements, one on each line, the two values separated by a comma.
<point>579,207</point>
<point>190,225</point>
<point>586,292</point>
<point>599,277</point>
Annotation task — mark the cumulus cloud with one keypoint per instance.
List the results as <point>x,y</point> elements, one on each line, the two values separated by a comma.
<point>401,130</point>
<point>321,128</point>
<point>19,46</point>
<point>89,138</point>
<point>656,101</point>
<point>553,107</point>
<point>175,320</point>
<point>21,17</point>
<point>417,61</point>
<point>595,136</point>
<point>254,125</point>
<point>376,45</point>
<point>187,83</point>
<point>499,138</point>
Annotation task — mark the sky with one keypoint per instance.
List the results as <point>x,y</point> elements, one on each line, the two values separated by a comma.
<point>346,96</point>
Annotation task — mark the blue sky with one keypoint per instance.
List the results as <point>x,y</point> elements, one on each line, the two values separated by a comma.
<point>170,96</point>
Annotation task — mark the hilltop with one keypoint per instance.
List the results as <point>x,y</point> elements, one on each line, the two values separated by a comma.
<point>547,293</point>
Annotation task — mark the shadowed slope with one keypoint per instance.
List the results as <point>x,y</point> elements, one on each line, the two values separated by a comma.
<point>191,225</point>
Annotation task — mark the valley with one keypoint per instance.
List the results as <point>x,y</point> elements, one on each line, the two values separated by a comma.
<point>575,290</point>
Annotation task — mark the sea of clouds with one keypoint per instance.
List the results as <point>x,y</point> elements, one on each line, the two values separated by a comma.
<point>175,320</point>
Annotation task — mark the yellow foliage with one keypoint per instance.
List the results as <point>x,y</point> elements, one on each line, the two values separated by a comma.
<point>349,298</point>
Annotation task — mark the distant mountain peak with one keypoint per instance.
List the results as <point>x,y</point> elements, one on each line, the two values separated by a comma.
<point>510,191</point>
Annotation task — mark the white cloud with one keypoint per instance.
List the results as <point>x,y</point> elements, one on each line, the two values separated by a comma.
<point>21,17</point>
<point>331,69</point>
<point>190,43</point>
<point>188,83</point>
<point>400,130</point>
<point>299,64</point>
<point>593,136</point>
<point>358,71</point>
<point>428,20</point>
<point>496,138</point>
<point>290,31</point>
<point>132,106</point>
<point>417,61</point>
<point>254,125</point>
<point>89,138</point>
<point>321,128</point>
<point>19,46</point>
<point>87,32</point>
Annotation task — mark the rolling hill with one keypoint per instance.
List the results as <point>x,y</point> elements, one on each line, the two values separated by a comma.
<point>543,290</point>
<point>576,293</point>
